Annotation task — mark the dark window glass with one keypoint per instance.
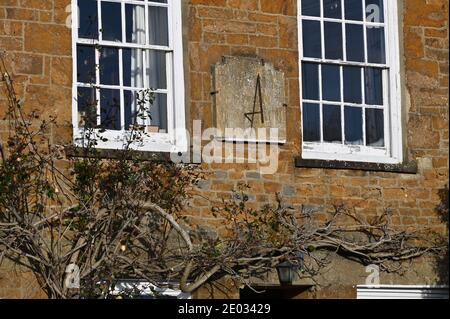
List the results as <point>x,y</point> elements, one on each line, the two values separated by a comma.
<point>156,71</point>
<point>87,107</point>
<point>151,110</point>
<point>312,45</point>
<point>353,126</point>
<point>88,19</point>
<point>352,84</point>
<point>311,8</point>
<point>110,109</point>
<point>354,10</point>
<point>310,81</point>
<point>331,80</point>
<point>332,9</point>
<point>332,127</point>
<point>111,21</point>
<point>376,45</point>
<point>135,23</point>
<point>374,86</point>
<point>86,64</point>
<point>133,73</point>
<point>158,112</point>
<point>158,26</point>
<point>135,109</point>
<point>375,127</point>
<point>333,40</point>
<point>109,66</point>
<point>355,42</point>
<point>311,122</point>
<point>130,105</point>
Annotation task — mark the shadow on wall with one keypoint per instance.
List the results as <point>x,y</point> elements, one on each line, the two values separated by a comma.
<point>442,262</point>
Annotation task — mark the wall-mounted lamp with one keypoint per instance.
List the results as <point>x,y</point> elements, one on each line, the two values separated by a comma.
<point>286,273</point>
<point>286,270</point>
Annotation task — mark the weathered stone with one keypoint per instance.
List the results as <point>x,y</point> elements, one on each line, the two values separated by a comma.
<point>204,184</point>
<point>221,174</point>
<point>238,84</point>
<point>289,190</point>
<point>253,175</point>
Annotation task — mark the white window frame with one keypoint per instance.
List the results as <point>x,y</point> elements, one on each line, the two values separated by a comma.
<point>392,153</point>
<point>402,292</point>
<point>175,140</point>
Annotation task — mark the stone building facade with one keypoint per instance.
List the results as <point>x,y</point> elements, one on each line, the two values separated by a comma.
<point>38,42</point>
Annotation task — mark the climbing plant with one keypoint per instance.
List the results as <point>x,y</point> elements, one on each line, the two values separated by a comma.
<point>84,226</point>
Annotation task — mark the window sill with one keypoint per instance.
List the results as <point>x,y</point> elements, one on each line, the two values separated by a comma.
<point>403,168</point>
<point>78,152</point>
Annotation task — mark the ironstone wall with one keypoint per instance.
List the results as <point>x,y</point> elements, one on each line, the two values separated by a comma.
<point>38,43</point>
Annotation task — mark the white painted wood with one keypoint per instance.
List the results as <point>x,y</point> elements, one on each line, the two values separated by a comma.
<point>122,93</point>
<point>341,20</point>
<point>74,9</point>
<point>402,292</point>
<point>180,143</point>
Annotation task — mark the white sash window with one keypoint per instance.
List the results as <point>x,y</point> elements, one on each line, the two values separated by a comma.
<point>350,80</point>
<point>128,70</point>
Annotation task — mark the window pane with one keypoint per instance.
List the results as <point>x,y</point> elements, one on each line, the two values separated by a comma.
<point>137,107</point>
<point>85,64</point>
<point>376,45</point>
<point>332,9</point>
<point>131,107</point>
<point>332,129</point>
<point>310,81</point>
<point>146,108</point>
<point>158,26</point>
<point>111,21</point>
<point>352,84</point>
<point>353,126</point>
<point>374,86</point>
<point>87,107</point>
<point>88,19</point>
<point>375,128</point>
<point>109,66</point>
<point>331,80</point>
<point>333,40</point>
<point>354,10</point>
<point>133,68</point>
<point>156,71</point>
<point>311,8</point>
<point>312,47</point>
<point>158,112</point>
<point>355,42</point>
<point>375,11</point>
<point>110,109</point>
<point>311,122</point>
<point>135,24</point>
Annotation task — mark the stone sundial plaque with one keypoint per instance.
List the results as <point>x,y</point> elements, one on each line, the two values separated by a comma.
<point>249,101</point>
